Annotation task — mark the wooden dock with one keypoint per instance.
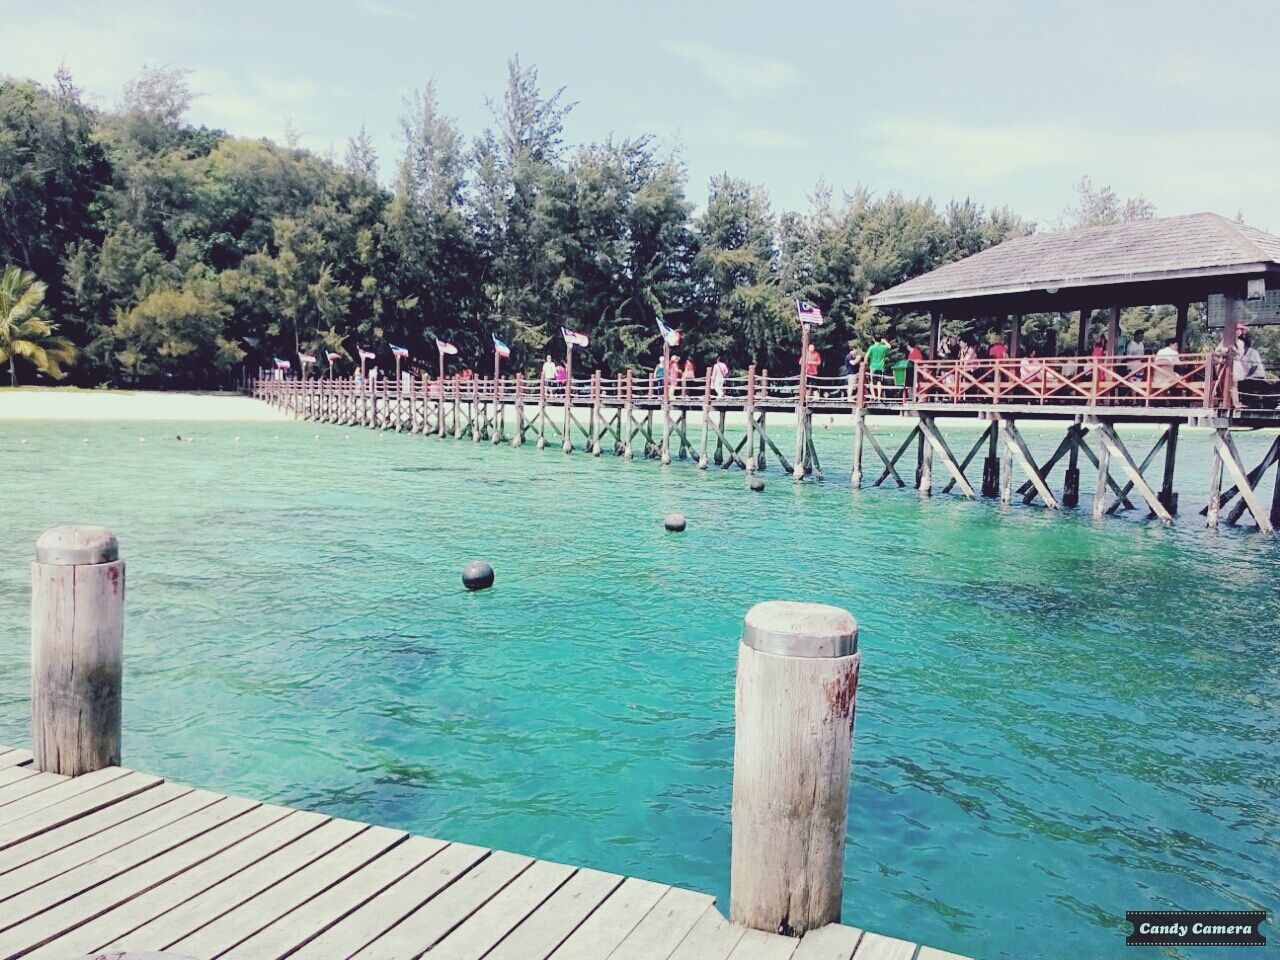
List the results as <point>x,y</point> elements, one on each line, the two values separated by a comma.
<point>117,860</point>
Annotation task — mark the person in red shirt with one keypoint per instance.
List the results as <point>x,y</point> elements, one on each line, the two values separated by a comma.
<point>997,350</point>
<point>915,354</point>
<point>812,362</point>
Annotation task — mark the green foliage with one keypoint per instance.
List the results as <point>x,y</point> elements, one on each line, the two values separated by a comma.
<point>177,254</point>
<point>25,330</point>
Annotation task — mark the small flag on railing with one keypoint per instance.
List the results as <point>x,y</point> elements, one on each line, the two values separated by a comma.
<point>365,354</point>
<point>808,312</point>
<point>331,356</point>
<point>445,347</point>
<point>573,338</point>
<point>282,364</point>
<point>500,348</point>
<point>306,358</point>
<point>396,351</point>
<point>672,337</point>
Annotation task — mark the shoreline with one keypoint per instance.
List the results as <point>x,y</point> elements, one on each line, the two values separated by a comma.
<point>73,403</point>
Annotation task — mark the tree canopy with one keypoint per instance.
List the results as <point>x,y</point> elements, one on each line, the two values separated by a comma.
<point>174,253</point>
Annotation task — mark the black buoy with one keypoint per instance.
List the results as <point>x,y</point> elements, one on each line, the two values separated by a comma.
<point>477,575</point>
<point>674,522</point>
<point>756,484</point>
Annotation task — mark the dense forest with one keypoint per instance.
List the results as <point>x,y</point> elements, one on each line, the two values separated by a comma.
<point>178,255</point>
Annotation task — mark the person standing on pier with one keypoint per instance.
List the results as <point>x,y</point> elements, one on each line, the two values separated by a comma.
<point>687,376</point>
<point>852,360</point>
<point>549,371</point>
<point>997,350</point>
<point>673,375</point>
<point>719,373</point>
<point>659,378</point>
<point>877,361</point>
<point>1135,349</point>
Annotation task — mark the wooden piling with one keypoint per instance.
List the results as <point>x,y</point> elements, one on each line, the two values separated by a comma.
<point>628,417</point>
<point>77,646</point>
<point>596,413</point>
<point>859,426</point>
<point>706,417</point>
<point>1006,461</point>
<point>925,483</point>
<point>794,711</point>
<point>750,410</point>
<point>517,438</point>
<point>1071,478</point>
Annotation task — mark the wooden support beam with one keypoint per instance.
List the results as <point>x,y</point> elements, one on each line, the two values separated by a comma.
<point>1229,456</point>
<point>1214,505</point>
<point>991,464</point>
<point>1142,469</point>
<point>1272,454</point>
<point>929,428</point>
<point>1006,460</point>
<point>1097,462</point>
<point>1015,445</point>
<point>1113,331</point>
<point>1015,336</point>
<point>973,452</point>
<point>1111,442</point>
<point>1071,477</point>
<point>890,464</point>
<point>1103,464</point>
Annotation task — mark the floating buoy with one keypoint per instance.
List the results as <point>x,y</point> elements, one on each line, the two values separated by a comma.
<point>24,443</point>
<point>237,440</point>
<point>317,436</point>
<point>477,575</point>
<point>756,484</point>
<point>674,522</point>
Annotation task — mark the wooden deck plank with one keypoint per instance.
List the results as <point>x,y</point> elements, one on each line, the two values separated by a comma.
<point>321,912</point>
<point>665,926</point>
<point>874,946</point>
<point>41,819</point>
<point>73,898</point>
<point>392,905</point>
<point>319,875</point>
<point>183,801</point>
<point>610,923</point>
<point>712,938</point>
<point>482,931</point>
<point>129,916</point>
<point>69,920</point>
<point>550,925</point>
<point>933,953</point>
<point>758,945</point>
<point>60,793</point>
<point>168,928</point>
<point>27,784</point>
<point>832,942</point>
<point>15,758</point>
<point>432,922</point>
<point>14,774</point>
<point>77,831</point>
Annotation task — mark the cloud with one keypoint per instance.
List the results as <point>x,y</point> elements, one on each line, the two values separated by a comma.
<point>739,75</point>
<point>387,11</point>
<point>984,154</point>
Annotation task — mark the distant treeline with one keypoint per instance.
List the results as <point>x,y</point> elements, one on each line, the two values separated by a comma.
<point>177,254</point>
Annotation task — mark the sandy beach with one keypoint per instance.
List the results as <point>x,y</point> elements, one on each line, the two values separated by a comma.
<point>69,403</point>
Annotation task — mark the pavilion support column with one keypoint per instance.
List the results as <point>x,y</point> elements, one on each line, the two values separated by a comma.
<point>935,331</point>
<point>1113,331</point>
<point>1015,336</point>
<point>1006,460</point>
<point>1180,331</point>
<point>1167,496</point>
<point>1071,479</point>
<point>1231,323</point>
<point>1082,333</point>
<point>991,466</point>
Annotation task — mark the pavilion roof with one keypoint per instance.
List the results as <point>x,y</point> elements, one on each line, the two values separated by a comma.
<point>1184,253</point>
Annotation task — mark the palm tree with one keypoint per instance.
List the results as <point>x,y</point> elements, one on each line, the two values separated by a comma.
<point>25,330</point>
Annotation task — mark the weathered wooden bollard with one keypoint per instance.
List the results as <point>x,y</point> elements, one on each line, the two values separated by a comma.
<point>77,643</point>
<point>796,690</point>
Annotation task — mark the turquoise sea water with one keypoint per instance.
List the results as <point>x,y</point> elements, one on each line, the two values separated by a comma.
<point>1057,720</point>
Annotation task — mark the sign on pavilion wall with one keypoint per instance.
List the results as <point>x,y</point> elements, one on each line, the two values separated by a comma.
<point>1265,310</point>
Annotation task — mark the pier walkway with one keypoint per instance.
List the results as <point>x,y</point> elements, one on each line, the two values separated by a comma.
<point>118,860</point>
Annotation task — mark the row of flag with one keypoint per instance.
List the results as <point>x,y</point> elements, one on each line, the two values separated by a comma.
<point>806,312</point>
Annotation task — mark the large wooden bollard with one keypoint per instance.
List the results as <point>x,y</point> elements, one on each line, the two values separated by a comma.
<point>796,690</point>
<point>77,642</point>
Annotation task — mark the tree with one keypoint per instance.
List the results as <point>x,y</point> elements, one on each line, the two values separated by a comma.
<point>176,333</point>
<point>1100,206</point>
<point>25,330</point>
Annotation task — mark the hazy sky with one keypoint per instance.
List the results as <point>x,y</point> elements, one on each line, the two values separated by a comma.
<point>1005,102</point>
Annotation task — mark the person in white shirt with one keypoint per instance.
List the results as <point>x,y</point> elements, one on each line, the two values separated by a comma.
<point>1165,364</point>
<point>549,370</point>
<point>1251,360</point>
<point>1136,348</point>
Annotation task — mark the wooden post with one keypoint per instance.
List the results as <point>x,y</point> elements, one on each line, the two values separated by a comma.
<point>935,330</point>
<point>1215,488</point>
<point>77,647</point>
<point>628,417</point>
<point>597,412</point>
<point>567,436</point>
<point>859,426</point>
<point>542,412</point>
<point>750,409</point>
<point>668,390</point>
<point>802,407</point>
<point>1082,334</point>
<point>1231,323</point>
<point>1180,330</point>
<point>1015,336</point>
<point>925,483</point>
<point>1167,495</point>
<point>1104,479</point>
<point>706,417</point>
<point>794,710</point>
<point>1071,478</point>
<point>517,438</point>
<point>1113,331</point>
<point>1006,461</point>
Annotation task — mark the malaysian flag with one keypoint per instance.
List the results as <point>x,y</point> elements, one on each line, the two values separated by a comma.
<point>445,347</point>
<point>331,356</point>
<point>365,354</point>
<point>573,338</point>
<point>283,364</point>
<point>396,351</point>
<point>808,312</point>
<point>500,348</point>
<point>672,337</point>
<point>307,358</point>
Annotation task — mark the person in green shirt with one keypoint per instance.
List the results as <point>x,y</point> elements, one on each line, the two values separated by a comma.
<point>877,360</point>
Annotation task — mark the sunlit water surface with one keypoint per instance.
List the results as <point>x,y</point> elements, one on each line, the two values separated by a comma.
<point>1057,721</point>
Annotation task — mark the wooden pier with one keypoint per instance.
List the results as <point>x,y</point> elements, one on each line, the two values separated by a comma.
<point>1090,397</point>
<point>97,859</point>
<point>117,860</point>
